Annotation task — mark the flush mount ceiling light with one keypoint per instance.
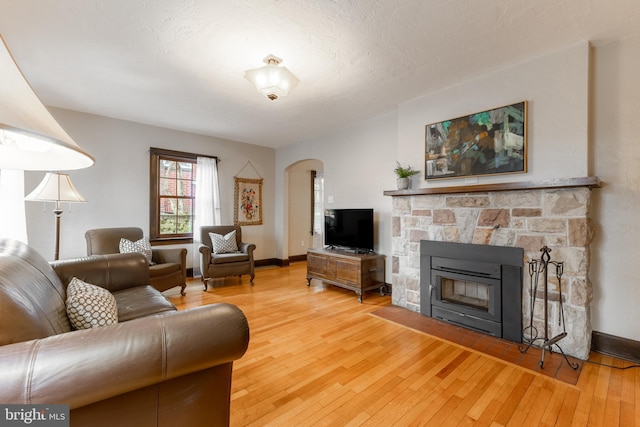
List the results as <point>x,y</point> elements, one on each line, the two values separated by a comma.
<point>30,138</point>
<point>272,80</point>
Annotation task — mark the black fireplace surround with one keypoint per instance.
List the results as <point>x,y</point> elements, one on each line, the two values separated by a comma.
<point>475,286</point>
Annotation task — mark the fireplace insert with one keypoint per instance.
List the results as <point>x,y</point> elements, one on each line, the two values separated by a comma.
<point>475,286</point>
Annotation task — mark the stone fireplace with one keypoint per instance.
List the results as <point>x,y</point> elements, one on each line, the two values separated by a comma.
<point>554,213</point>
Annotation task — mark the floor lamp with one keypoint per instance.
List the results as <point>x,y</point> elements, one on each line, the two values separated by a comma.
<point>31,139</point>
<point>56,187</point>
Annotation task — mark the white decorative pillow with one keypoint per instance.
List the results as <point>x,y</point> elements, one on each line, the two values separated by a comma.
<point>90,306</point>
<point>224,244</point>
<point>142,246</point>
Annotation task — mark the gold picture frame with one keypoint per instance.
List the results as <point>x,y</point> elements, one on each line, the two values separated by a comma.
<point>248,201</point>
<point>485,143</point>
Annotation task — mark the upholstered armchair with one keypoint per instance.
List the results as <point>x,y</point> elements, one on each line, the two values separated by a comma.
<point>169,266</point>
<point>222,263</point>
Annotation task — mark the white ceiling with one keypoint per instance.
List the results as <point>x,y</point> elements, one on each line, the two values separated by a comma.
<point>180,63</point>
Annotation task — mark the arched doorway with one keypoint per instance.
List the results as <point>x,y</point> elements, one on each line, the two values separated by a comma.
<point>305,207</point>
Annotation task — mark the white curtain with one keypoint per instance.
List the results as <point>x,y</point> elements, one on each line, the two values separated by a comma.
<point>207,204</point>
<point>13,219</point>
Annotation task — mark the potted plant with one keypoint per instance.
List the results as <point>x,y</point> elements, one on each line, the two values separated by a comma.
<point>404,175</point>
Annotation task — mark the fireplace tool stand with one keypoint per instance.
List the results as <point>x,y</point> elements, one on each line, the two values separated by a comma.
<point>536,269</point>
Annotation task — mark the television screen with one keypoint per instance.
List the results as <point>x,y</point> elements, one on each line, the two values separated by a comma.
<point>349,228</point>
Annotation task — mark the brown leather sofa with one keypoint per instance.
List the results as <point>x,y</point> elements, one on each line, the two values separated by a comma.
<point>156,367</point>
<point>170,264</point>
<point>214,265</point>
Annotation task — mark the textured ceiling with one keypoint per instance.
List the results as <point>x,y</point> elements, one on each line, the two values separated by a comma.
<point>180,63</point>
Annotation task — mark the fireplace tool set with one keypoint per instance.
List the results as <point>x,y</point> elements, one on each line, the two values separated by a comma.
<point>539,268</point>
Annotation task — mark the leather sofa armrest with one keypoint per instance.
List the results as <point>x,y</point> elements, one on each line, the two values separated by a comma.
<point>205,250</point>
<point>174,255</point>
<point>247,248</point>
<point>83,367</point>
<point>205,260</point>
<point>112,272</point>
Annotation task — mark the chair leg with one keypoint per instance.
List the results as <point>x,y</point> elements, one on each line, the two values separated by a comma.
<point>182,288</point>
<point>205,282</point>
<point>252,277</point>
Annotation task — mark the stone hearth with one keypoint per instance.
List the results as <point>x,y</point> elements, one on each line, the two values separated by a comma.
<point>530,219</point>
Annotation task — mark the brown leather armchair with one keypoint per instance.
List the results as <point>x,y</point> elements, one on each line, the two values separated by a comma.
<point>214,265</point>
<point>170,264</point>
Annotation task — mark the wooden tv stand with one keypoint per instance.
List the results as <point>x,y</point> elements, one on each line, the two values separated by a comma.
<point>356,272</point>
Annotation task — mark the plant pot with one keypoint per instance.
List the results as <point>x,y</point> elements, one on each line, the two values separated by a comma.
<point>402,183</point>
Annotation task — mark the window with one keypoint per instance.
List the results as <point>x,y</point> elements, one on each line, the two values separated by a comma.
<point>317,196</point>
<point>172,195</point>
<point>172,200</point>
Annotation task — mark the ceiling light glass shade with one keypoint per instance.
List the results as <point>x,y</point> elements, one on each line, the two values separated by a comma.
<point>30,138</point>
<point>55,187</point>
<point>272,80</point>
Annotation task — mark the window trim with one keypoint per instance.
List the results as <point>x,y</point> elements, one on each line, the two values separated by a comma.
<point>154,198</point>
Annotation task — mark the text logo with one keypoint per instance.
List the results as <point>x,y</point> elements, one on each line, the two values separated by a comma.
<point>34,415</point>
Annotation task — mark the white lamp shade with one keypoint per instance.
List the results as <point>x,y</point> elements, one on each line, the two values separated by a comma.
<point>55,187</point>
<point>272,80</point>
<point>30,138</point>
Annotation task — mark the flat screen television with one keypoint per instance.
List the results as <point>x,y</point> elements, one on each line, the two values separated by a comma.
<point>349,229</point>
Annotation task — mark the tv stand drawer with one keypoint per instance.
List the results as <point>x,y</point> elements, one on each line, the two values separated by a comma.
<point>348,271</point>
<point>356,272</point>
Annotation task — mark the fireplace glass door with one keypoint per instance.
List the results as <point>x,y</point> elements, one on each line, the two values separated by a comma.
<point>462,293</point>
<point>466,292</point>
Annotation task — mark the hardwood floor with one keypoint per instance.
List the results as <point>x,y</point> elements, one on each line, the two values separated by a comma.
<point>554,366</point>
<point>317,357</point>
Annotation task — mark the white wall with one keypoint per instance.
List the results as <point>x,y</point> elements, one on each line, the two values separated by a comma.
<point>556,88</point>
<point>359,161</point>
<point>117,186</point>
<point>358,167</point>
<point>567,138</point>
<point>299,209</point>
<point>615,148</point>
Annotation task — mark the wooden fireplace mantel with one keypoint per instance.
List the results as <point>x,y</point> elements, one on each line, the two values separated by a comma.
<point>589,181</point>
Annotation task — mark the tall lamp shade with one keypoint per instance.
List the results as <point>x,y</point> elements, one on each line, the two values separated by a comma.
<point>56,187</point>
<point>30,138</point>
